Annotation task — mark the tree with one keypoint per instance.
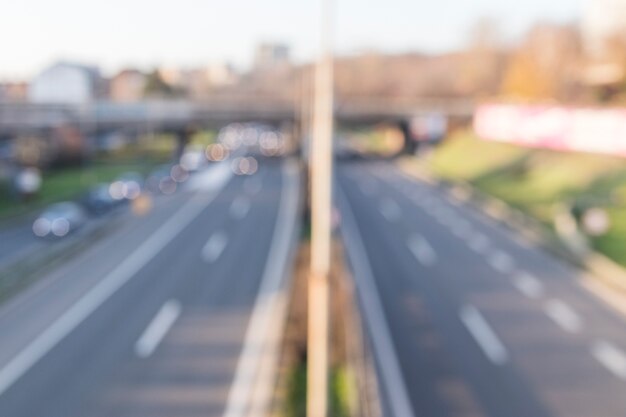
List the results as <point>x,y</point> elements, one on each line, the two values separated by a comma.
<point>546,65</point>
<point>157,86</point>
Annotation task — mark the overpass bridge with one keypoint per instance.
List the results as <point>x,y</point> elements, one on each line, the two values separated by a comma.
<point>181,116</point>
<point>18,118</point>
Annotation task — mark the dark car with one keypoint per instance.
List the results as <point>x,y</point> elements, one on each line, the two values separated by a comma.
<point>98,199</point>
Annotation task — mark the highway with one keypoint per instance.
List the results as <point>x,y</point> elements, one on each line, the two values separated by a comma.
<point>16,240</point>
<point>467,318</point>
<point>173,314</point>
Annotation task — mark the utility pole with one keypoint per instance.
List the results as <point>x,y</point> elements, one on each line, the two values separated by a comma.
<point>321,206</point>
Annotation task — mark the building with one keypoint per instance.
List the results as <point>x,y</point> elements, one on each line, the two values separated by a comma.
<point>603,28</point>
<point>172,76</point>
<point>66,83</point>
<point>603,21</point>
<point>127,86</point>
<point>271,55</point>
<point>221,74</point>
<point>13,91</point>
<point>198,83</point>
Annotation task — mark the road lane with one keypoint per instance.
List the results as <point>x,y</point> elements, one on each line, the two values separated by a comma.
<point>550,370</point>
<point>556,277</point>
<point>15,241</point>
<point>192,363</point>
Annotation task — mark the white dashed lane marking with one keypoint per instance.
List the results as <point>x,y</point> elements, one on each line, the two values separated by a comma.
<point>157,329</point>
<point>528,285</point>
<point>563,315</point>
<point>240,207</point>
<point>214,247</point>
<point>390,210</point>
<point>422,250</point>
<point>485,337</point>
<point>501,262</point>
<point>611,357</point>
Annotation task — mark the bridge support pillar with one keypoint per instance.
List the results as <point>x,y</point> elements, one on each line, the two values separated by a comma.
<point>410,143</point>
<point>182,140</point>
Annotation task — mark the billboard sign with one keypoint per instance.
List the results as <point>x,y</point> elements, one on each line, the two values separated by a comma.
<point>554,127</point>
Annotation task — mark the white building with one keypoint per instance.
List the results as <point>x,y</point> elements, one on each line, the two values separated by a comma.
<point>271,55</point>
<point>66,83</point>
<point>602,20</point>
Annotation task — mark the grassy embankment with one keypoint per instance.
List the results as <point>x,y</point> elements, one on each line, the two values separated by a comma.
<point>537,181</point>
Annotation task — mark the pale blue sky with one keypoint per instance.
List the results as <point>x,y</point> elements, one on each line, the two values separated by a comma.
<point>116,33</point>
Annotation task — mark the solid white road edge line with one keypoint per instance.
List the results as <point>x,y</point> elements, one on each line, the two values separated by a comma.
<point>244,398</point>
<point>374,316</point>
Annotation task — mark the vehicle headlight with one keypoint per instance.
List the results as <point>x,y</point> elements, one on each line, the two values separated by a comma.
<point>41,227</point>
<point>60,227</point>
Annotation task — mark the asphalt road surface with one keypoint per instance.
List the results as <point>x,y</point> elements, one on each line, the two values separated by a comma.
<point>466,318</point>
<point>16,240</point>
<point>153,320</point>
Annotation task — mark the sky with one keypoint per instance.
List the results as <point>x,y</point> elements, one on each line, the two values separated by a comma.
<point>146,33</point>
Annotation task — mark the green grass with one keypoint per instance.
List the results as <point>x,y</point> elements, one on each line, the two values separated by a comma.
<point>536,181</point>
<point>381,140</point>
<point>296,397</point>
<point>342,395</point>
<point>68,183</point>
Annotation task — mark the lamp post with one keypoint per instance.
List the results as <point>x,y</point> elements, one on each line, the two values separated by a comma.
<point>321,206</point>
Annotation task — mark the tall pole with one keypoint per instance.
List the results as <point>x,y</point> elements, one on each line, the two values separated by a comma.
<point>321,192</point>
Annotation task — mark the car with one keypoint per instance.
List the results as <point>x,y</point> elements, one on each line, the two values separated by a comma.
<point>160,180</point>
<point>193,159</point>
<point>97,200</point>
<point>59,220</point>
<point>127,186</point>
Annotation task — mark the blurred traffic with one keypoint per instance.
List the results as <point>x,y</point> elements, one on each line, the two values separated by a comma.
<point>328,208</point>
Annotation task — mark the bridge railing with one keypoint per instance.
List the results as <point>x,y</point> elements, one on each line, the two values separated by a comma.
<point>17,116</point>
